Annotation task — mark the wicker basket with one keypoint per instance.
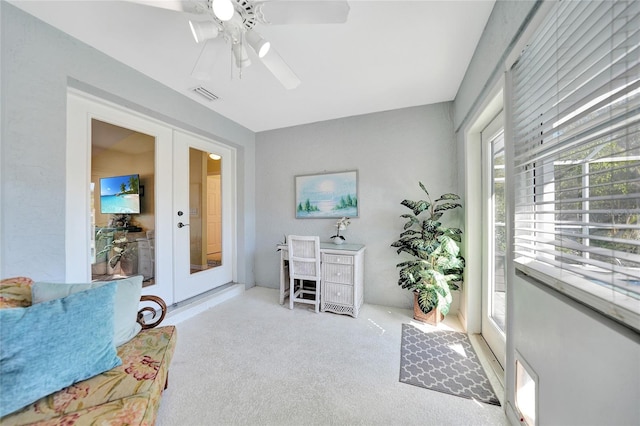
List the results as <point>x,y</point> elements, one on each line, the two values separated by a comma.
<point>432,317</point>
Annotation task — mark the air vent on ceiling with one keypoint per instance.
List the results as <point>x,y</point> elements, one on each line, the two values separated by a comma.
<point>205,93</point>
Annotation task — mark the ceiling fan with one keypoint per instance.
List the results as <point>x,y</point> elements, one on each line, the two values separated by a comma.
<point>234,20</point>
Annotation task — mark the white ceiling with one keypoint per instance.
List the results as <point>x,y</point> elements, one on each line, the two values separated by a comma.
<point>389,55</point>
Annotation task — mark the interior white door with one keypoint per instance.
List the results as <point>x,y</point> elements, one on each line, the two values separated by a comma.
<point>494,238</point>
<point>195,272</point>
<point>82,108</point>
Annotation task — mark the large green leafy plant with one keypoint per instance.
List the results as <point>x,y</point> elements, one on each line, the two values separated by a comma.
<point>436,266</point>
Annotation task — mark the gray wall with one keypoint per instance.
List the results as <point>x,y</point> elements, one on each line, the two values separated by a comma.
<point>392,151</point>
<point>39,63</point>
<point>588,367</point>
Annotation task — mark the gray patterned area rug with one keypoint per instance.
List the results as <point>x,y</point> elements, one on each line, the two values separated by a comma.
<point>443,361</point>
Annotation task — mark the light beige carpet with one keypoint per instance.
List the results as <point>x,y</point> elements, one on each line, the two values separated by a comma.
<point>252,361</point>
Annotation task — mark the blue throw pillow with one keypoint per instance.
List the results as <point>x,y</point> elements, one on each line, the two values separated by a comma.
<point>51,345</point>
<point>125,310</point>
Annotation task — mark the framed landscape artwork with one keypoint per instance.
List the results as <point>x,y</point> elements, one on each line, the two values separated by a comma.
<point>327,195</point>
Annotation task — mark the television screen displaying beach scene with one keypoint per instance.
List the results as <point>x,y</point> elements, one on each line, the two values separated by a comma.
<point>120,194</point>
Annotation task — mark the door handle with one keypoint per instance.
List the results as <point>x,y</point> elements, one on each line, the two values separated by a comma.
<point>182,225</point>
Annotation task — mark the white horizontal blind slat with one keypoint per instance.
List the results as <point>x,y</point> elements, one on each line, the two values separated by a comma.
<point>554,122</point>
<point>526,231</point>
<point>567,65</point>
<point>560,126</point>
<point>543,53</point>
<point>576,247</point>
<point>544,102</point>
<point>564,64</point>
<point>576,121</point>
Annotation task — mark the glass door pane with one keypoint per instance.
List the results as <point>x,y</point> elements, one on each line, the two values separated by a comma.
<point>122,203</point>
<point>205,210</point>
<point>499,249</point>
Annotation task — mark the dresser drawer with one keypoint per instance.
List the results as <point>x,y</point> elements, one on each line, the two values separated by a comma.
<point>336,258</point>
<point>337,293</point>
<point>340,274</point>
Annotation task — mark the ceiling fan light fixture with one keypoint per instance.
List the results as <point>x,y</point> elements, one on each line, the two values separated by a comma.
<point>223,9</point>
<point>241,56</point>
<point>203,30</point>
<point>258,44</point>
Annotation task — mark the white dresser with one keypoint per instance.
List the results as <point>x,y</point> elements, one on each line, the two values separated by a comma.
<point>342,277</point>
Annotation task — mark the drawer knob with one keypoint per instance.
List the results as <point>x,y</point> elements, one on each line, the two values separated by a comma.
<point>339,273</point>
<point>338,294</point>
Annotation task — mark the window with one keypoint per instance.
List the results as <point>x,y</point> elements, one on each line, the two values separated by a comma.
<point>576,121</point>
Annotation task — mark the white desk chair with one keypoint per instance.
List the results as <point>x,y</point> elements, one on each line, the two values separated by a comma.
<point>304,264</point>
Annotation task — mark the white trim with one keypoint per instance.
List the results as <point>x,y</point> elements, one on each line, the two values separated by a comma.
<point>509,214</point>
<point>492,333</point>
<point>615,305</point>
<point>195,307</point>
<point>472,237</point>
<point>77,233</point>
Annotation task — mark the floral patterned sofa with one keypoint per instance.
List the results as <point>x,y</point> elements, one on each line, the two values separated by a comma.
<point>128,394</point>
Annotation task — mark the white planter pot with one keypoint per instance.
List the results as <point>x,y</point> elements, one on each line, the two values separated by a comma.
<point>337,240</point>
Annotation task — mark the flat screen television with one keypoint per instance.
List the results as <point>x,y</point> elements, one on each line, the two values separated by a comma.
<point>120,194</point>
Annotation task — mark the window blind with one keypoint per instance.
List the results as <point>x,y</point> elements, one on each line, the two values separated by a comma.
<point>576,131</point>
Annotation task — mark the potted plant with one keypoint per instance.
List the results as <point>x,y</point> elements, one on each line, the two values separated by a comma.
<point>340,225</point>
<point>436,266</point>
<point>115,249</point>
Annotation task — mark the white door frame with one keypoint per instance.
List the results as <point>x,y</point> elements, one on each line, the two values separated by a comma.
<point>471,314</point>
<point>81,109</point>
<point>493,335</point>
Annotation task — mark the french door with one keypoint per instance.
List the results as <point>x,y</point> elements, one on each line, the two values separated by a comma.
<point>203,225</point>
<point>178,161</point>
<point>494,238</point>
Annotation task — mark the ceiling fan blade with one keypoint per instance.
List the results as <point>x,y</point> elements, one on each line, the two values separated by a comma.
<point>188,6</point>
<point>303,12</point>
<point>279,68</point>
<point>203,69</point>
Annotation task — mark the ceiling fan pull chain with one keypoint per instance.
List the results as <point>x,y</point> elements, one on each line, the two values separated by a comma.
<point>231,65</point>
<point>240,68</point>
<point>242,47</point>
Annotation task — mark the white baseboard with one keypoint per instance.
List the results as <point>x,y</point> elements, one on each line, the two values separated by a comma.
<point>462,320</point>
<point>180,313</point>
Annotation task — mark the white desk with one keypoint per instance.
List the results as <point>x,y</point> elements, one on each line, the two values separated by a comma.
<point>342,285</point>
